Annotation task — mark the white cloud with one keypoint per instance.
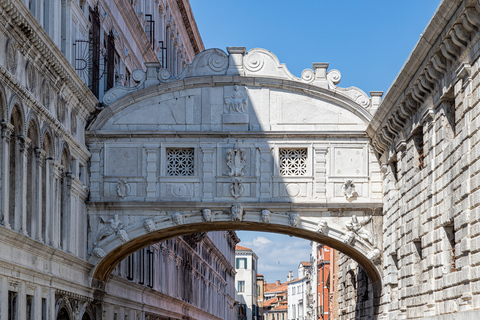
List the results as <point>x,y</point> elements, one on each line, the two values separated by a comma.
<point>260,241</point>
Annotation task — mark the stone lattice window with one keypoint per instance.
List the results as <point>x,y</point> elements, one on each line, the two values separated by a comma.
<point>180,162</point>
<point>293,162</point>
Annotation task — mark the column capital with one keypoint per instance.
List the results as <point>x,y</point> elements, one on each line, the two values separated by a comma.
<point>40,155</point>
<point>7,130</point>
<point>25,143</point>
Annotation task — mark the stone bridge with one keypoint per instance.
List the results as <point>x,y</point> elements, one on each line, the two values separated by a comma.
<point>235,142</point>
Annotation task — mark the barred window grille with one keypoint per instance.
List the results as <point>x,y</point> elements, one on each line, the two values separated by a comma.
<point>293,162</point>
<point>180,162</point>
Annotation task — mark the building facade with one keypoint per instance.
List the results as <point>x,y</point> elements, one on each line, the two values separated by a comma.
<point>298,292</point>
<point>246,283</point>
<point>58,59</point>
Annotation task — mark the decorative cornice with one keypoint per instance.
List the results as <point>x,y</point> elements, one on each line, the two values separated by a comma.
<point>428,63</point>
<point>190,26</point>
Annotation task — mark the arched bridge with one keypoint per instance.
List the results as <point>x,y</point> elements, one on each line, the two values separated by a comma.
<point>234,142</point>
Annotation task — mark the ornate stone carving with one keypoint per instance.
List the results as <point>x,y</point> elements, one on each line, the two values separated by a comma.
<point>207,215</point>
<point>11,56</point>
<point>374,255</point>
<point>322,226</point>
<point>349,237</point>
<point>266,216</point>
<point>254,61</point>
<point>31,78</point>
<point>180,162</point>
<point>355,226</point>
<point>236,103</point>
<point>149,225</point>
<point>123,189</point>
<point>7,130</point>
<point>236,161</point>
<point>122,235</point>
<point>237,212</point>
<point>294,219</point>
<point>99,253</point>
<point>236,189</point>
<point>177,218</point>
<point>293,162</point>
<point>349,191</point>
<point>111,226</point>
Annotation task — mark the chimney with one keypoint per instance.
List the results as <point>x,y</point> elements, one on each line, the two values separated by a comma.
<point>290,275</point>
<point>278,282</point>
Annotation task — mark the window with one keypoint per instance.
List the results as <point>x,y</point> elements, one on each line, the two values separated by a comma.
<point>241,286</point>
<point>241,263</point>
<point>180,162</point>
<point>293,162</point>
<point>293,291</point>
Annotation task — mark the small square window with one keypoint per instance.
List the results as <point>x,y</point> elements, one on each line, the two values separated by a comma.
<point>180,162</point>
<point>293,162</point>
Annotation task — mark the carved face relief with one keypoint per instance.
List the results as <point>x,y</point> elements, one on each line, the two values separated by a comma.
<point>149,225</point>
<point>237,212</point>
<point>266,216</point>
<point>348,237</point>
<point>207,215</point>
<point>322,226</point>
<point>177,218</point>
<point>294,219</point>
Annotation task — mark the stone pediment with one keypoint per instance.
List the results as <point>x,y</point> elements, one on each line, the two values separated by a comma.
<point>235,92</point>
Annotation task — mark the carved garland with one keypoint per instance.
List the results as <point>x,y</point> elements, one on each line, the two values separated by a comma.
<point>452,46</point>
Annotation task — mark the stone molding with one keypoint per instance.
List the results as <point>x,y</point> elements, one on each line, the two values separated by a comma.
<point>404,100</point>
<point>256,63</point>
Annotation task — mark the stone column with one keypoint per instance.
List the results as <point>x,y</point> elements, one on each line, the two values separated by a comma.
<point>266,160</point>
<point>37,216</point>
<point>320,166</point>
<point>22,302</point>
<point>152,176</point>
<point>48,202</point>
<point>7,130</point>
<point>96,180</point>
<point>69,223</point>
<point>56,175</point>
<point>21,186</point>
<point>37,304</point>
<point>4,297</point>
<point>208,172</point>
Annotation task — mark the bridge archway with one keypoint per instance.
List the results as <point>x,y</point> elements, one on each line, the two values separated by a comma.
<point>234,142</point>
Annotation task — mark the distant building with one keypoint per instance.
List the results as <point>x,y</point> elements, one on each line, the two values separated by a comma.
<point>298,290</point>
<point>246,283</point>
<point>260,292</point>
<point>275,304</point>
<point>324,277</point>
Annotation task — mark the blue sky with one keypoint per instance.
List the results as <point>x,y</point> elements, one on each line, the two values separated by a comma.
<point>368,41</point>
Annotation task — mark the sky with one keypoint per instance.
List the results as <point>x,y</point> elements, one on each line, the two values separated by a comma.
<point>368,41</point>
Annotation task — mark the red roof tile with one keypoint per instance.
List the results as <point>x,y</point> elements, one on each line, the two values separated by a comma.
<point>237,247</point>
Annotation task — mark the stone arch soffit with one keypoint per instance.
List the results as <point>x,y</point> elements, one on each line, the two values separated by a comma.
<point>16,103</point>
<point>63,303</point>
<point>65,149</point>
<point>112,249</point>
<point>314,100</point>
<point>32,119</point>
<point>46,131</point>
